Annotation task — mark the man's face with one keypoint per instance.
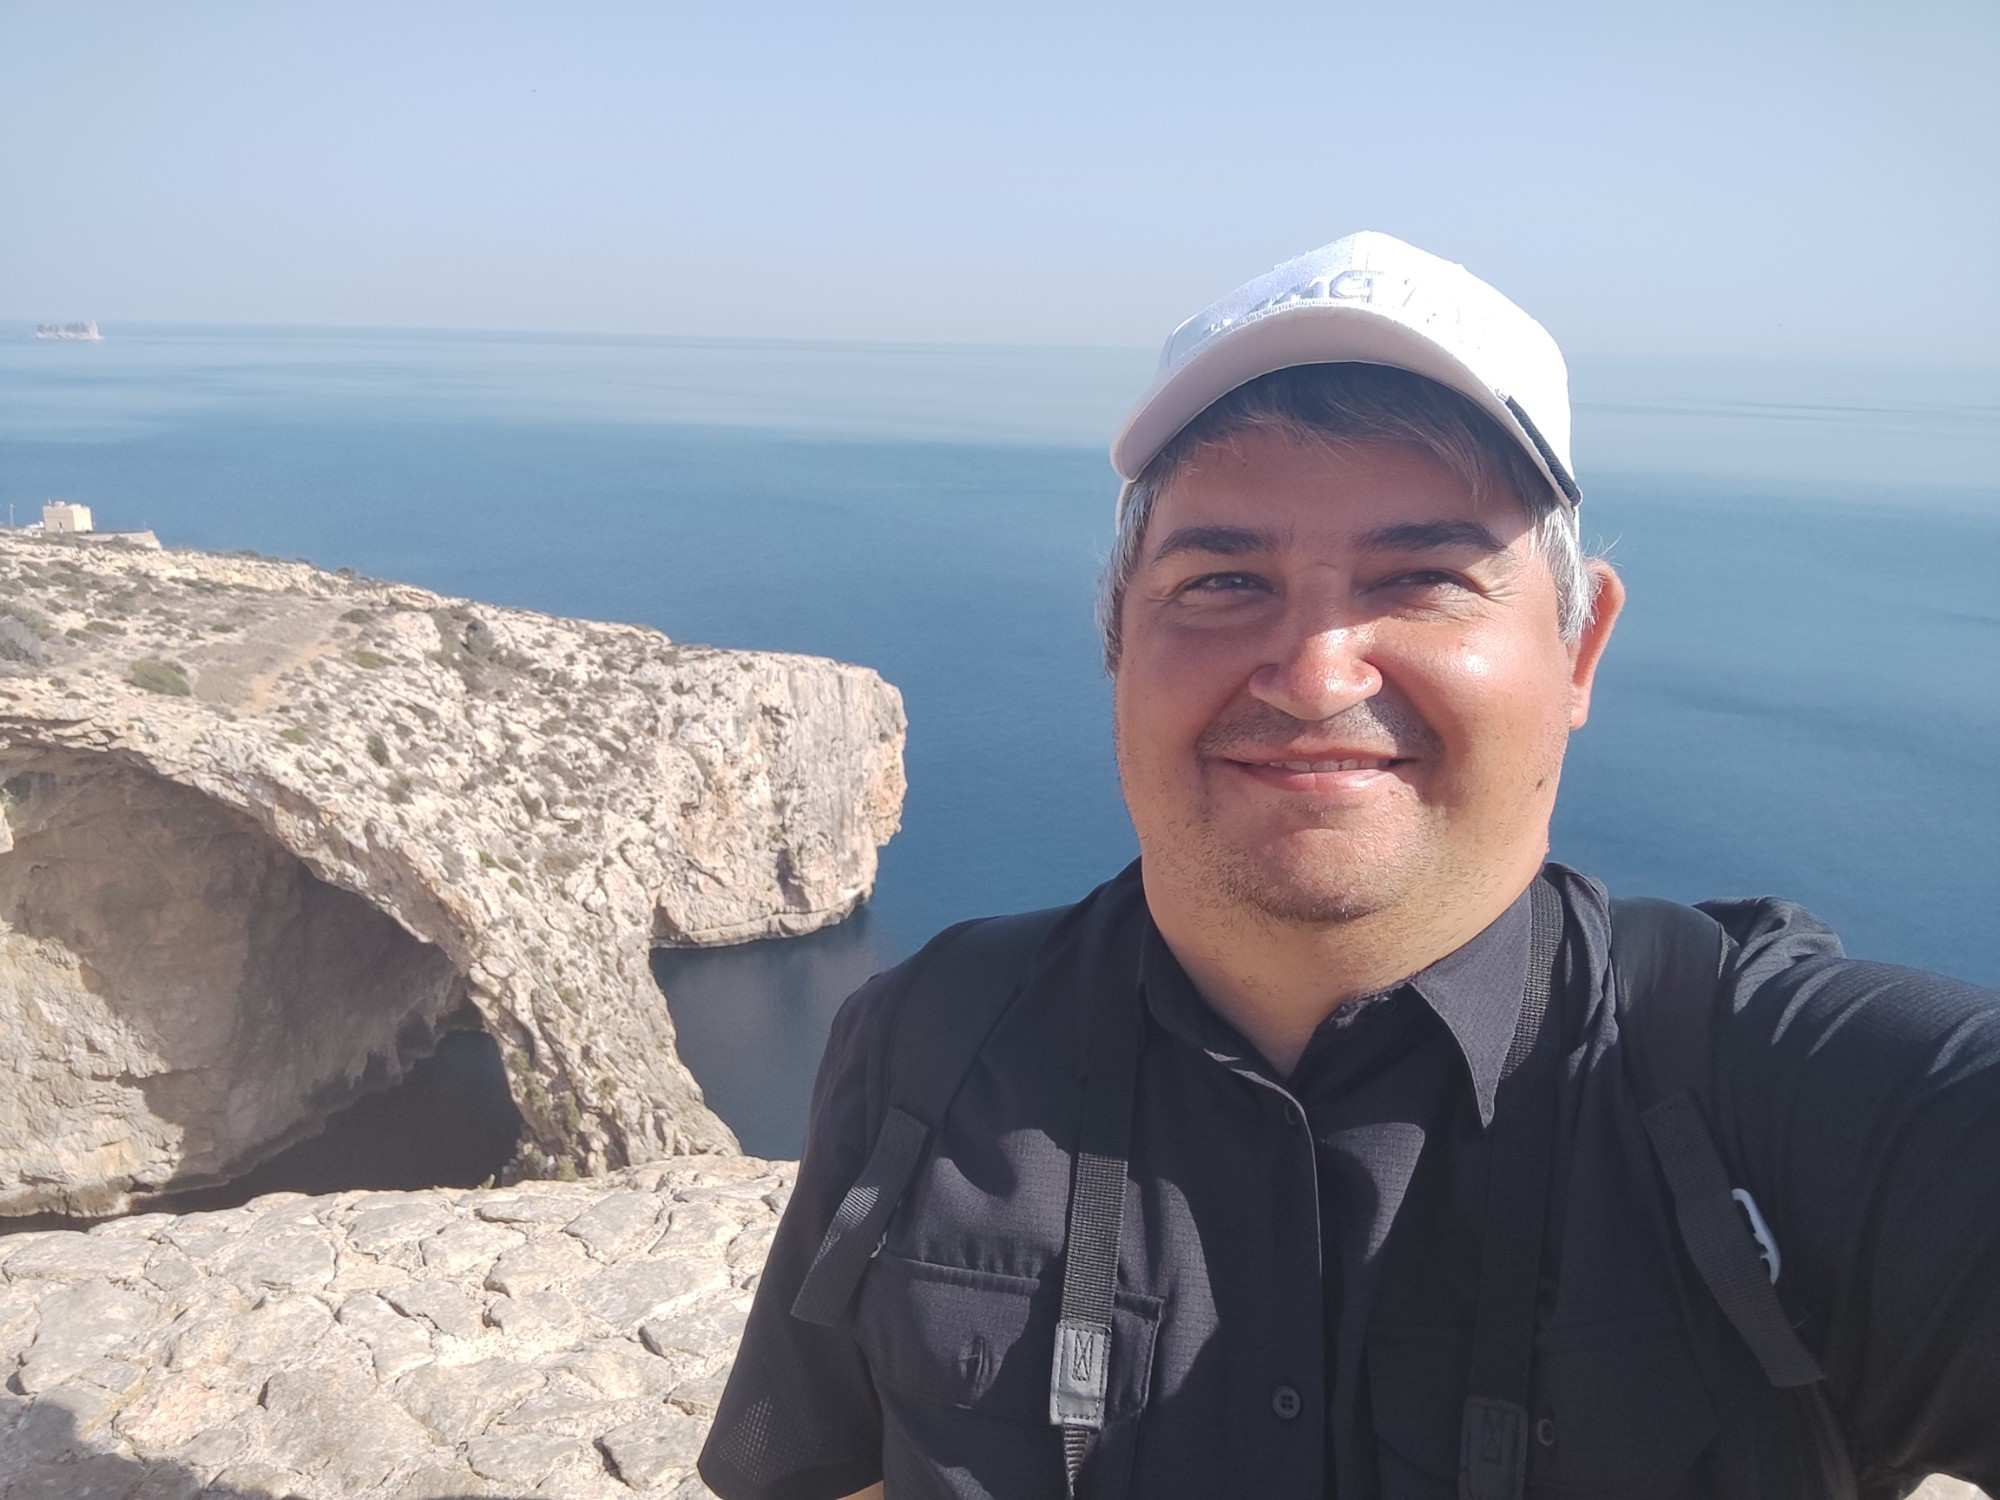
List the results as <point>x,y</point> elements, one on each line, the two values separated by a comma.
<point>1343,688</point>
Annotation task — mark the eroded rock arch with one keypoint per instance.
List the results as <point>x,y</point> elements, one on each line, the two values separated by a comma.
<point>181,998</point>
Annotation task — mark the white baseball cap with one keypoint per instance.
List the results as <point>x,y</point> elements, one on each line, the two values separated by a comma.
<point>1370,299</point>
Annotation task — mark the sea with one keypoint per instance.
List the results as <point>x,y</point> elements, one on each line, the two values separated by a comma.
<point>1802,699</point>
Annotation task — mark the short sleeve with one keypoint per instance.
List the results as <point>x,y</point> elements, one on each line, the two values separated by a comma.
<point>799,1419</point>
<point>1862,1102</point>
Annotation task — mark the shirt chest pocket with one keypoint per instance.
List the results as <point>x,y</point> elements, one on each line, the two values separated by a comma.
<point>1616,1410</point>
<point>961,1362</point>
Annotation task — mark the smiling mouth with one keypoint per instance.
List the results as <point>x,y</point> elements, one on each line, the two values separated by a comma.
<point>1340,778</point>
<point>1368,763</point>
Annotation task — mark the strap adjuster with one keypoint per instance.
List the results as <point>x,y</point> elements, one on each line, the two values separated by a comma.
<point>1077,1383</point>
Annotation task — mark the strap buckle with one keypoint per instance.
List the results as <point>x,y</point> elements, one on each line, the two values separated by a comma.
<point>1077,1383</point>
<point>1492,1450</point>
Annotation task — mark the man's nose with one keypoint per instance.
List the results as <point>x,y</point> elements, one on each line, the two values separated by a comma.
<point>1318,671</point>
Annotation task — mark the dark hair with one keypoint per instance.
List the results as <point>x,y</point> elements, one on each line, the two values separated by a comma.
<point>1344,404</point>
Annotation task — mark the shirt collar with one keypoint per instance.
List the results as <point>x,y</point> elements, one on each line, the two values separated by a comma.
<point>1475,990</point>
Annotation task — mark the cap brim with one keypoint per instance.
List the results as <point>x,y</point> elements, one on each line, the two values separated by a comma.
<point>1303,334</point>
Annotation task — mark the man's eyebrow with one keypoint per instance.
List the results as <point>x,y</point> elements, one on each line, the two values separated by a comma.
<point>1431,536</point>
<point>1226,541</point>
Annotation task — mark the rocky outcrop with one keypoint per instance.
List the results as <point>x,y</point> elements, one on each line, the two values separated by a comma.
<point>561,1339</point>
<point>267,832</point>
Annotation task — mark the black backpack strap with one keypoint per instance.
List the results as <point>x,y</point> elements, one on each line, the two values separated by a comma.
<point>1493,1431</point>
<point>1667,961</point>
<point>1078,1376</point>
<point>953,995</point>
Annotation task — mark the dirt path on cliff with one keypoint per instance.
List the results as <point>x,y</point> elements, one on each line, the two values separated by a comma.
<point>244,674</point>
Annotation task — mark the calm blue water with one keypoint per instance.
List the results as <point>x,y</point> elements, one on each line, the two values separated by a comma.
<point>1803,696</point>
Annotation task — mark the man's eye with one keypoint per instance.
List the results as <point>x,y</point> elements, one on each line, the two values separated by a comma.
<point>1222,583</point>
<point>1424,578</point>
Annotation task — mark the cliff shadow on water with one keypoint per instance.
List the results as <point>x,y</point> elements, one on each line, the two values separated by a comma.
<point>752,1020</point>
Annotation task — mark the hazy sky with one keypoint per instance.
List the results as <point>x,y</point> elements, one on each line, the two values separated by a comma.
<point>1768,179</point>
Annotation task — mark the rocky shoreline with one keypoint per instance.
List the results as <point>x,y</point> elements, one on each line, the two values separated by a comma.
<point>546,1339</point>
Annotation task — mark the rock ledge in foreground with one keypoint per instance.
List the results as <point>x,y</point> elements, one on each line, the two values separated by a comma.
<point>561,1339</point>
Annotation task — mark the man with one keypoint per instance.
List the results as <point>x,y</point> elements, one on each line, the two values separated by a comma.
<point>1321,1152</point>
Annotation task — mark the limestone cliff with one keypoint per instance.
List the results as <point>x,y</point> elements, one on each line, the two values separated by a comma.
<point>266,832</point>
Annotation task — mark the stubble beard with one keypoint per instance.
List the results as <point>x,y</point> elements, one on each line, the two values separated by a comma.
<point>1313,875</point>
<point>1314,878</point>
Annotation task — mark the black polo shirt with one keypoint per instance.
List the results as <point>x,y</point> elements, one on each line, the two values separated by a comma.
<point>1300,1257</point>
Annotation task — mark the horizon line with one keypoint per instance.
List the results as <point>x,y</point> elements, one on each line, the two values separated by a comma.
<point>27,325</point>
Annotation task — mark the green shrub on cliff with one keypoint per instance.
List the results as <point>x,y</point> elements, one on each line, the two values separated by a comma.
<point>160,677</point>
<point>33,618</point>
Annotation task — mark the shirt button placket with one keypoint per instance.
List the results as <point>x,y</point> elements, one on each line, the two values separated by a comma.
<point>1290,1457</point>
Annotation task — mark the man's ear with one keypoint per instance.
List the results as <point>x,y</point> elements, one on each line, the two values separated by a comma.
<point>1607,599</point>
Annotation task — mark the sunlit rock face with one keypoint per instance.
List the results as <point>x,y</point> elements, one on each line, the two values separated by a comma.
<point>182,995</point>
<point>268,833</point>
